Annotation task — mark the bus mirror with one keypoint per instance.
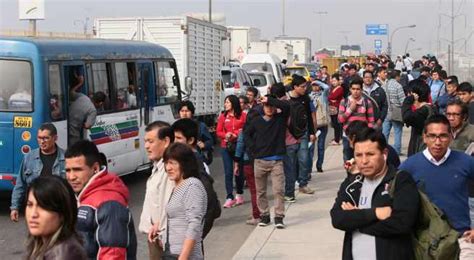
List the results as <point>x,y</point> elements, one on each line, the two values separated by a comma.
<point>188,84</point>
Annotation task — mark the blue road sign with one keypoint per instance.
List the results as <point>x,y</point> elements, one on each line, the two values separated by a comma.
<point>376,29</point>
<point>378,44</point>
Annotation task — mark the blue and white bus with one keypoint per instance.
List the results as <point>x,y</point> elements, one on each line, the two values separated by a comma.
<point>140,82</point>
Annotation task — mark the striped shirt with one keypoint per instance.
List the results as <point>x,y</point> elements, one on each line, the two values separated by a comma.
<point>363,112</point>
<point>186,210</point>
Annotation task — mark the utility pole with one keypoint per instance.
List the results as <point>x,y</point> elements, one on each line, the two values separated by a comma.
<point>33,27</point>
<point>210,11</point>
<point>283,18</point>
<point>451,64</point>
<point>321,13</point>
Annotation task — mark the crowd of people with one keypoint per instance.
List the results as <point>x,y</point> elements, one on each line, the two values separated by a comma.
<point>76,209</point>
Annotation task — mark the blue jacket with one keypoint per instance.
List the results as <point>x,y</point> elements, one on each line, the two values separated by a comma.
<point>30,169</point>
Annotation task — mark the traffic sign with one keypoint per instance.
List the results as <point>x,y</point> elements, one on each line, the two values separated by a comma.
<point>378,44</point>
<point>376,29</point>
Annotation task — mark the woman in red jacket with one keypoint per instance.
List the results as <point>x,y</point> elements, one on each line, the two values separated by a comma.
<point>229,124</point>
<point>336,94</point>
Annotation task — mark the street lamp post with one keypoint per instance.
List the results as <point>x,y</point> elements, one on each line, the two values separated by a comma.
<point>389,45</point>
<point>406,45</point>
<point>321,13</point>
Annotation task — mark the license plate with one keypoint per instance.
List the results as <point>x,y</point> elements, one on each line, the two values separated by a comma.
<point>22,122</point>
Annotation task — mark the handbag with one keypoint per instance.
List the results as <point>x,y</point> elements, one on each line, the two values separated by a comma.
<point>231,146</point>
<point>167,255</point>
<point>396,114</point>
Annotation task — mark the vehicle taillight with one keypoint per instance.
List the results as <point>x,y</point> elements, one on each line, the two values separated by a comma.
<point>236,85</point>
<point>25,149</point>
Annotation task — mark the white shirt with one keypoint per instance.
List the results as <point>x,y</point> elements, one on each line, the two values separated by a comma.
<point>430,158</point>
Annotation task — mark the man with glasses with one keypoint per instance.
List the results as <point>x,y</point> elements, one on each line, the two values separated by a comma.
<point>463,132</point>
<point>376,94</point>
<point>46,160</point>
<point>444,175</point>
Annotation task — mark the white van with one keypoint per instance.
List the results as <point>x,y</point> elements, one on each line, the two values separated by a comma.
<point>266,62</point>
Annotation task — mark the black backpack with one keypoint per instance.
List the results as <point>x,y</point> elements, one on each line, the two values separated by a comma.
<point>213,210</point>
<point>298,124</point>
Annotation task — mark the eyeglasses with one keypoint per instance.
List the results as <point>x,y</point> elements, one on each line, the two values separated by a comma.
<point>441,137</point>
<point>44,138</point>
<point>453,114</point>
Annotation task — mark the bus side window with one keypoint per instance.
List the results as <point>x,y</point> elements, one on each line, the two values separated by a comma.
<point>166,90</point>
<point>125,85</point>
<point>100,84</point>
<point>56,93</point>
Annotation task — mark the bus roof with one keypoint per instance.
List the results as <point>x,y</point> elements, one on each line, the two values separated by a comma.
<point>88,49</point>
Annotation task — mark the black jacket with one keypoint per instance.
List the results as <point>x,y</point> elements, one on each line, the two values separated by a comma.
<point>380,97</point>
<point>267,138</point>
<point>393,235</point>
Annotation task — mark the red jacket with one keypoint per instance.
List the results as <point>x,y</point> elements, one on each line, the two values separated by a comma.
<point>104,220</point>
<point>335,96</point>
<point>226,124</point>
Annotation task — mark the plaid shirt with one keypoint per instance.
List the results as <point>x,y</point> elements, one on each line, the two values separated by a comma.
<point>363,112</point>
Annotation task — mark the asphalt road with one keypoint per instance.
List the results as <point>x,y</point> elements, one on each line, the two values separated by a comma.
<point>226,237</point>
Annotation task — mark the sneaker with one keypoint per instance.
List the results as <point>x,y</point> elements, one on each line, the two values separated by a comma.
<point>264,221</point>
<point>319,169</point>
<point>253,221</point>
<point>306,190</point>
<point>334,142</point>
<point>239,200</point>
<point>279,222</point>
<point>290,199</point>
<point>229,203</point>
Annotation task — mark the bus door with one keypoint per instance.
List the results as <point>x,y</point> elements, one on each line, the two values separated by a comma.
<point>166,92</point>
<point>62,80</point>
<point>145,84</point>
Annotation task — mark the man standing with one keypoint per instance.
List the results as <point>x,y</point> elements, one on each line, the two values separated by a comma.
<point>82,113</point>
<point>252,94</point>
<point>395,98</point>
<point>377,96</point>
<point>450,95</point>
<point>269,156</point>
<point>354,108</point>
<point>436,85</point>
<point>463,132</point>
<point>377,224</point>
<point>158,136</point>
<point>46,160</point>
<point>103,220</point>
<point>464,94</point>
<point>444,176</point>
<point>299,97</point>
<point>381,76</point>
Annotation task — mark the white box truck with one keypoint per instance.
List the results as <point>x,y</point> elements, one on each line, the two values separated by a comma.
<point>237,44</point>
<point>282,50</point>
<point>196,46</point>
<point>301,47</point>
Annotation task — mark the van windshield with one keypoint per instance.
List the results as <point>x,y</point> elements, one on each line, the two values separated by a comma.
<point>15,86</point>
<point>262,67</point>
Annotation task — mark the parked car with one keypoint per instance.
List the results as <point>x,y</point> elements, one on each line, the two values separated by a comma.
<point>235,81</point>
<point>311,67</point>
<point>262,81</point>
<point>264,62</point>
<point>289,71</point>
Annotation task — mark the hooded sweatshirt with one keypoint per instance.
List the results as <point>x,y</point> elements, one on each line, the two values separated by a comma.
<point>104,220</point>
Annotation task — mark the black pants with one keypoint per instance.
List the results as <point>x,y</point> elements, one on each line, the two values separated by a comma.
<point>337,128</point>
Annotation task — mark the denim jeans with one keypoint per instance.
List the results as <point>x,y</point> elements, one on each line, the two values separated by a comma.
<point>471,211</point>
<point>303,154</point>
<point>321,146</point>
<point>397,128</point>
<point>347,151</point>
<point>289,167</point>
<point>229,176</point>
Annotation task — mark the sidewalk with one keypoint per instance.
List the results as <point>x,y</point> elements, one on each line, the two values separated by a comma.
<point>309,233</point>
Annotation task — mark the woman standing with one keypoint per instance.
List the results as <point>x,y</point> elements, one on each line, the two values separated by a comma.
<point>229,125</point>
<point>336,94</point>
<point>187,205</point>
<point>51,214</point>
<point>415,110</point>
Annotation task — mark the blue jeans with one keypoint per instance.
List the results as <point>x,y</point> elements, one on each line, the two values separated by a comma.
<point>397,128</point>
<point>229,175</point>
<point>303,154</point>
<point>321,146</point>
<point>347,151</point>
<point>471,211</point>
<point>289,167</point>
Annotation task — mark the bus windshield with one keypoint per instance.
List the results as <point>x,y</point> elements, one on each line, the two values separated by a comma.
<point>15,86</point>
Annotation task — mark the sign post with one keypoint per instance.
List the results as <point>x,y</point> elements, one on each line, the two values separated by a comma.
<point>31,10</point>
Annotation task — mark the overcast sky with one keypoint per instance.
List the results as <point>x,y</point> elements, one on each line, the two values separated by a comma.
<point>344,18</point>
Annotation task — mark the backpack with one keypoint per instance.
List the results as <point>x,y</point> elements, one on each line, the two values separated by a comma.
<point>213,210</point>
<point>298,122</point>
<point>433,238</point>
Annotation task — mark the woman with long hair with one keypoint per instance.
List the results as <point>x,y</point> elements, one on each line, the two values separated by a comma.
<point>187,205</point>
<point>229,125</point>
<point>415,110</point>
<point>51,215</point>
